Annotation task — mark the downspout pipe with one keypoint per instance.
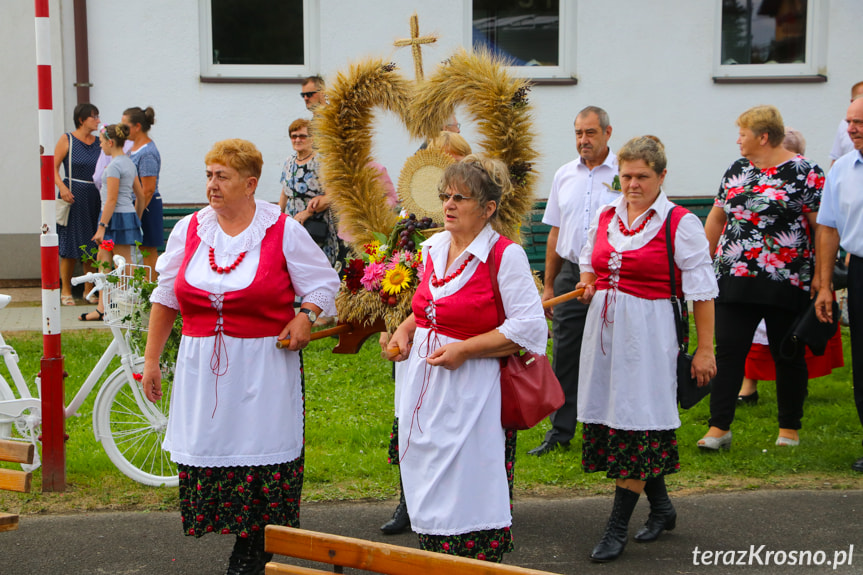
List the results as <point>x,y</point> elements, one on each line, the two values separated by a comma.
<point>82,54</point>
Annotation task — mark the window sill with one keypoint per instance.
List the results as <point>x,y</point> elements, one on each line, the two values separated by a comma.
<point>251,80</point>
<point>554,81</point>
<point>804,79</point>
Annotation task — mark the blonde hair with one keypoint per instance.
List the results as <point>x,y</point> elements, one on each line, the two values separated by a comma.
<point>117,133</point>
<point>481,177</point>
<point>647,148</point>
<point>450,143</point>
<point>241,155</point>
<point>764,120</point>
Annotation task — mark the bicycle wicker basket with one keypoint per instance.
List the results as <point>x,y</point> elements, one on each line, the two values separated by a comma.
<point>122,299</point>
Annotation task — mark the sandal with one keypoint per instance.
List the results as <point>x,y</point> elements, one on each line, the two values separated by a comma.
<point>67,300</point>
<point>84,315</point>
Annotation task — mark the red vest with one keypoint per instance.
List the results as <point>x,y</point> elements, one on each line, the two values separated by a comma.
<point>469,312</point>
<point>262,309</point>
<point>642,272</point>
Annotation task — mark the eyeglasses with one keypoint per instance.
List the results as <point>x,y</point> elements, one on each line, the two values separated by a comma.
<point>457,125</point>
<point>457,198</point>
<point>305,95</point>
<point>299,136</point>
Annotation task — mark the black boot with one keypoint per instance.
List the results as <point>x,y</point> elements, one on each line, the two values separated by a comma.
<point>401,521</point>
<point>613,541</point>
<point>662,516</point>
<point>248,557</point>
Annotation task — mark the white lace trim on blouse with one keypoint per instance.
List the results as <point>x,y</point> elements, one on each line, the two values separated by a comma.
<point>266,214</point>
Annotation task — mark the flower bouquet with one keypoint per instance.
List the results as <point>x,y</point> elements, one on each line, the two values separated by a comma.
<point>381,282</point>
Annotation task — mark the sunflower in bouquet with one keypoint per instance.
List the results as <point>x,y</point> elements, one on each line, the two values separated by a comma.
<point>381,283</point>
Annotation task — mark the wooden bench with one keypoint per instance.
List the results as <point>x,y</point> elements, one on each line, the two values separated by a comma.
<point>341,552</point>
<point>12,479</point>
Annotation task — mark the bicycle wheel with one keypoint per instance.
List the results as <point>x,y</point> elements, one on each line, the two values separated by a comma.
<point>131,429</point>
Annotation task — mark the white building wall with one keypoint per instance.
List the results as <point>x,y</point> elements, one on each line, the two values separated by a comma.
<point>649,64</point>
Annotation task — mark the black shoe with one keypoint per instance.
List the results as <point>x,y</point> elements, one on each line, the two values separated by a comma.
<point>616,533</point>
<point>547,446</point>
<point>751,399</point>
<point>248,557</point>
<point>400,521</point>
<point>858,465</point>
<point>663,516</point>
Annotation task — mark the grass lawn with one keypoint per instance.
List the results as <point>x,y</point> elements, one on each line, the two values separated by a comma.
<point>349,412</point>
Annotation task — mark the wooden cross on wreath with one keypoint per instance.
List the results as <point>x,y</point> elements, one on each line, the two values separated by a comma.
<point>414,42</point>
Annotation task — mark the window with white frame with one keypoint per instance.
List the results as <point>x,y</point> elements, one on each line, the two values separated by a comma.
<point>769,38</point>
<point>537,36</point>
<point>258,39</point>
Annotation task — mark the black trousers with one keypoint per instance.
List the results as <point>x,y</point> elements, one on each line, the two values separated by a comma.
<point>567,330</point>
<point>735,327</point>
<point>855,318</point>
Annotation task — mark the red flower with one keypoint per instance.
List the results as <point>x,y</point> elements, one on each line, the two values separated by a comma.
<point>771,171</point>
<point>623,473</point>
<point>592,467</point>
<point>191,530</point>
<point>495,544</point>
<point>445,546</point>
<point>209,528</point>
<point>265,516</point>
<point>469,544</point>
<point>611,432</point>
<point>183,475</point>
<point>230,475</point>
<point>227,503</point>
<point>752,253</point>
<point>225,531</point>
<point>621,445</point>
<point>208,472</point>
<point>255,528</point>
<point>633,458</point>
<point>611,458</point>
<point>107,245</point>
<point>354,274</point>
<point>277,476</point>
<point>138,376</point>
<point>481,556</point>
<point>240,489</point>
<point>199,518</point>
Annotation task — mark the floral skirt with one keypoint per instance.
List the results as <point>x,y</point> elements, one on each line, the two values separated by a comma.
<point>486,545</point>
<point>393,448</point>
<point>627,454</point>
<point>240,500</point>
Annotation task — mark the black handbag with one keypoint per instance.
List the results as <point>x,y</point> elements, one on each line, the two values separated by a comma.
<point>317,227</point>
<point>688,391</point>
<point>810,332</point>
<point>840,275</point>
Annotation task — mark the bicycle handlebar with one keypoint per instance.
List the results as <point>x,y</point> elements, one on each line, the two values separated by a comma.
<point>88,278</point>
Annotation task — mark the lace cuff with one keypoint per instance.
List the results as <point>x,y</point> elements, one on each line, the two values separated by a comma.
<point>516,334</point>
<point>323,300</point>
<point>166,297</point>
<point>702,296</point>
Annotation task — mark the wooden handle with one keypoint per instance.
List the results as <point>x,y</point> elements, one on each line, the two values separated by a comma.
<point>343,328</point>
<point>562,298</point>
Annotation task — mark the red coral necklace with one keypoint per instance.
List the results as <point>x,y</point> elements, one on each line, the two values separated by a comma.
<point>226,269</point>
<point>634,231</point>
<point>437,283</point>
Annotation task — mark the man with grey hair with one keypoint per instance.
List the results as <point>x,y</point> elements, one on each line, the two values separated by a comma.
<point>312,92</point>
<point>580,188</point>
<point>842,143</point>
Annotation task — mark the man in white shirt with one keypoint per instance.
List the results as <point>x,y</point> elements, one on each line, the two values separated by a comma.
<point>579,189</point>
<point>842,143</point>
<point>840,223</point>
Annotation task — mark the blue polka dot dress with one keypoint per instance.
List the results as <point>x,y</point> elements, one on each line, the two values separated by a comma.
<point>84,213</point>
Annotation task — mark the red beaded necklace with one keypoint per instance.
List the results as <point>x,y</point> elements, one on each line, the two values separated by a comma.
<point>437,283</point>
<point>632,232</point>
<point>226,269</point>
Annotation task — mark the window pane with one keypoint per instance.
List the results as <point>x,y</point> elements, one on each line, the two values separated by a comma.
<point>763,31</point>
<point>258,32</point>
<point>524,31</point>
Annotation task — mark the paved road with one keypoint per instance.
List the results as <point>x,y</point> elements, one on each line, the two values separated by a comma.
<point>551,534</point>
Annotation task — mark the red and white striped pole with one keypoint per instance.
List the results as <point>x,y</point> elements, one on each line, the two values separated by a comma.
<point>53,411</point>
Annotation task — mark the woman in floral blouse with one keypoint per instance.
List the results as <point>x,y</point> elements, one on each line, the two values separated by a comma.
<point>303,197</point>
<point>762,234</point>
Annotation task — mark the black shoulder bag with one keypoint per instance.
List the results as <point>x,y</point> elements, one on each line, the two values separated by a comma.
<point>688,391</point>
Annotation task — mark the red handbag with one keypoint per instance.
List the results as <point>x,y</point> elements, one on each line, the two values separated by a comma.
<point>529,390</point>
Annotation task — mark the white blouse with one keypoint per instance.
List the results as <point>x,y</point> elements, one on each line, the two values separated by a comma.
<point>229,420</point>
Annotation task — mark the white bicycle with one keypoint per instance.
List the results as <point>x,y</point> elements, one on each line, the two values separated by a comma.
<point>129,426</point>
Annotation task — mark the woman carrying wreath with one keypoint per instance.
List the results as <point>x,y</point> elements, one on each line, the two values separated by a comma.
<point>456,458</point>
<point>236,424</point>
<point>627,385</point>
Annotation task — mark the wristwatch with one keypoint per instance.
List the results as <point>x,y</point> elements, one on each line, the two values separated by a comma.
<point>103,225</point>
<point>313,317</point>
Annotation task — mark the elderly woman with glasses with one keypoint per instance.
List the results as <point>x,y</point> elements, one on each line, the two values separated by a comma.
<point>456,458</point>
<point>303,197</point>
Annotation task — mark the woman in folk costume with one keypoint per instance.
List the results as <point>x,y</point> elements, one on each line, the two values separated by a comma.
<point>456,459</point>
<point>236,423</point>
<point>627,385</point>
